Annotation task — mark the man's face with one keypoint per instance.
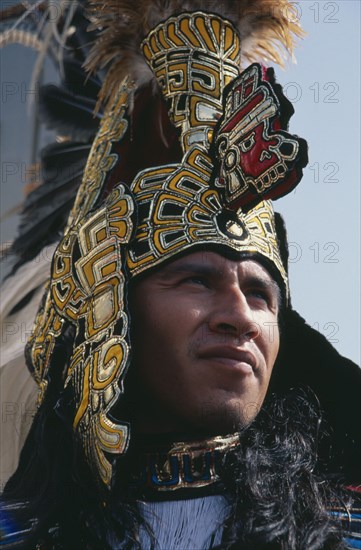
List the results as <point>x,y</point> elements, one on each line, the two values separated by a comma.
<point>205,339</point>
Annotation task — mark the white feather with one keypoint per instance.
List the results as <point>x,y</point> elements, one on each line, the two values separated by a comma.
<point>18,390</point>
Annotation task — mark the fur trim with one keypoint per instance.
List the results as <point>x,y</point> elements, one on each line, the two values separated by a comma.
<point>267,30</point>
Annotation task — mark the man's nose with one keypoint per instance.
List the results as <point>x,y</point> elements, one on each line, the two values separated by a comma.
<point>232,315</point>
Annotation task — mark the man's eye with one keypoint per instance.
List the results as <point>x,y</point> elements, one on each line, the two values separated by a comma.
<point>196,280</point>
<point>259,294</point>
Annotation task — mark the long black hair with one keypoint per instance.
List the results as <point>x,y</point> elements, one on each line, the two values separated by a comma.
<point>279,498</point>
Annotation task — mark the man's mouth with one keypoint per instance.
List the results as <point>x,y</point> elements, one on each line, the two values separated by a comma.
<point>231,357</point>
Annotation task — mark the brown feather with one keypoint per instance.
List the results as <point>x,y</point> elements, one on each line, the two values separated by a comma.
<point>267,29</point>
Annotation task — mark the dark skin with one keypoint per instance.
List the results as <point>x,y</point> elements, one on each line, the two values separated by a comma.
<point>205,339</point>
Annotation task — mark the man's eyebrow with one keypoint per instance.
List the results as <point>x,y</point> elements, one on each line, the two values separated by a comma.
<point>189,267</point>
<point>200,267</point>
<point>265,284</point>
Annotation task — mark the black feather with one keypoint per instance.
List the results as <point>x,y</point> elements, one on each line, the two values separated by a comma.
<point>68,113</point>
<point>81,41</point>
<point>77,82</point>
<point>46,209</point>
<point>60,164</point>
<point>67,109</point>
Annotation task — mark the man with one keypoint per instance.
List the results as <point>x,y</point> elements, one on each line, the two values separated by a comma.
<point>168,305</point>
<point>205,340</point>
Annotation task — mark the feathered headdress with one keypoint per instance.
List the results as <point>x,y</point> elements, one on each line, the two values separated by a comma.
<point>153,190</point>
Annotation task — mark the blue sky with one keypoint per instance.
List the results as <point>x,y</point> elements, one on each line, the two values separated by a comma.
<point>323,214</point>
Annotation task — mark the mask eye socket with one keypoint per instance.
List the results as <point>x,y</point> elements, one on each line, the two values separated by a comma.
<point>248,143</point>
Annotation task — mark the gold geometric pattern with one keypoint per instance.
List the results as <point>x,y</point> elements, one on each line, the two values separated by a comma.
<point>93,295</point>
<point>194,56</point>
<point>48,327</point>
<point>87,290</point>
<point>101,160</point>
<point>181,211</point>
